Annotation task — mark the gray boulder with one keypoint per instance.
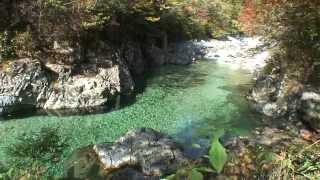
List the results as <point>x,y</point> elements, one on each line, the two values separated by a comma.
<point>28,84</point>
<point>310,108</point>
<point>155,153</point>
<point>275,95</point>
<point>23,85</point>
<point>82,91</point>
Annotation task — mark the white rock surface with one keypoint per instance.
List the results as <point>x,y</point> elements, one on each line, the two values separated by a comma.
<point>237,53</point>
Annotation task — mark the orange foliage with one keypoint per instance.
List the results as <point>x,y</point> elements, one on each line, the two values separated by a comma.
<point>251,13</point>
<point>247,16</point>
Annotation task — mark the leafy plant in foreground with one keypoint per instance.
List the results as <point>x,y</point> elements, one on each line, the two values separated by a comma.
<point>217,154</point>
<point>217,157</point>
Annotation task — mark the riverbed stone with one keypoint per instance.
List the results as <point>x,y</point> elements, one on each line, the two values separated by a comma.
<point>155,153</point>
<point>310,108</point>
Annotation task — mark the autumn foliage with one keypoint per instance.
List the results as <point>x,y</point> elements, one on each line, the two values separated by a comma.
<point>248,16</point>
<point>294,25</point>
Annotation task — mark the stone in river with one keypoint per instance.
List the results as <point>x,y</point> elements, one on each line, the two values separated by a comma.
<point>153,152</point>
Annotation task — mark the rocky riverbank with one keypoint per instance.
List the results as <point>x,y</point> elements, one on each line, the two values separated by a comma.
<point>278,96</point>
<point>95,78</point>
<point>104,74</point>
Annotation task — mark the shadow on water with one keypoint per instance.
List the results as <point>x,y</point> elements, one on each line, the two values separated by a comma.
<point>117,103</point>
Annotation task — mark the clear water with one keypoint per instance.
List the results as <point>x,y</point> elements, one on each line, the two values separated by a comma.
<point>188,102</point>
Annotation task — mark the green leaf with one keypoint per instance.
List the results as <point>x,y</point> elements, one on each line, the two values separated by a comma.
<point>170,177</point>
<point>205,169</point>
<point>195,175</point>
<point>217,155</point>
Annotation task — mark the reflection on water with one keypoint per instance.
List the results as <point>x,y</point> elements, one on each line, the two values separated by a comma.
<point>190,103</point>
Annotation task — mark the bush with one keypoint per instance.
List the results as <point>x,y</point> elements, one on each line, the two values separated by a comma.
<point>295,25</point>
<point>6,46</point>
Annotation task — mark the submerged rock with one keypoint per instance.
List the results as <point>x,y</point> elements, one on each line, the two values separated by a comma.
<point>83,164</point>
<point>154,153</point>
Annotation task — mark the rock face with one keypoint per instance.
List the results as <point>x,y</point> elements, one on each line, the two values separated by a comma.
<point>279,96</point>
<point>23,85</point>
<point>133,56</point>
<point>78,78</point>
<point>26,84</point>
<point>182,53</point>
<point>275,95</point>
<point>185,53</point>
<point>154,153</point>
<point>156,56</point>
<point>81,91</point>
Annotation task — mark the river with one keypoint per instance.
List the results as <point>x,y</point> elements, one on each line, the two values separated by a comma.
<point>188,102</point>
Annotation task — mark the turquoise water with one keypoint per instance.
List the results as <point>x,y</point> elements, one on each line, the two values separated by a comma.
<point>188,102</point>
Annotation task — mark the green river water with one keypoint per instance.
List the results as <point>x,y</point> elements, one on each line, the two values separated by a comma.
<point>188,102</point>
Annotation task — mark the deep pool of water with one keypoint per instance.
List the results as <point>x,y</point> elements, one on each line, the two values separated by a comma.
<point>188,102</point>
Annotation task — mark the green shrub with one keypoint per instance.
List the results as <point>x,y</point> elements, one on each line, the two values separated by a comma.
<point>196,171</point>
<point>6,46</point>
<point>24,44</point>
<point>295,26</point>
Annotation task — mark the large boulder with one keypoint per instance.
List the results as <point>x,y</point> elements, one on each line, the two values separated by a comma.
<point>82,91</point>
<point>97,80</point>
<point>275,95</point>
<point>23,85</point>
<point>310,108</point>
<point>31,84</point>
<point>153,152</point>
